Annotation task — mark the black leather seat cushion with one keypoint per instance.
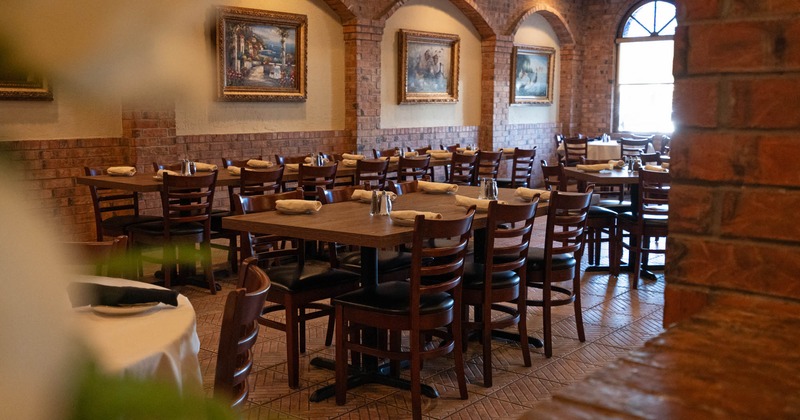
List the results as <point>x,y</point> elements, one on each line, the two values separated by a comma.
<point>154,228</point>
<point>560,262</point>
<point>392,298</point>
<point>650,220</point>
<point>615,205</point>
<point>474,273</point>
<point>315,275</point>
<point>388,260</point>
<point>121,223</point>
<point>601,212</point>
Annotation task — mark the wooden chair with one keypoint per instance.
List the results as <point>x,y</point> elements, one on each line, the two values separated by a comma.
<point>239,332</point>
<point>412,167</point>
<point>114,210</point>
<point>499,277</point>
<point>241,163</point>
<point>310,177</point>
<point>462,169</point>
<point>651,158</point>
<point>649,221</point>
<point>372,172</point>
<point>387,153</point>
<point>487,165</point>
<point>521,169</point>
<point>560,259</point>
<point>186,203</point>
<point>575,148</point>
<point>298,284</point>
<point>175,166</point>
<point>108,258</point>
<point>665,145</point>
<point>426,305</point>
<point>629,148</point>
<point>452,148</point>
<point>401,188</point>
<point>283,161</point>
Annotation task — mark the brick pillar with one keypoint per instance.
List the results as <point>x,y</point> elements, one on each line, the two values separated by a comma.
<point>495,80</point>
<point>362,41</point>
<point>148,127</point>
<point>569,110</point>
<point>734,237</point>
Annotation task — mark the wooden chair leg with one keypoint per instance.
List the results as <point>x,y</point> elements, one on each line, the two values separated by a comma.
<point>458,353</point>
<point>522,325</point>
<point>292,349</point>
<point>486,335</point>
<point>576,289</point>
<point>547,319</point>
<point>341,358</point>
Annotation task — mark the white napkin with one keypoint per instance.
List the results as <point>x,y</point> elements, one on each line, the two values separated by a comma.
<point>436,187</point>
<point>616,164</point>
<point>655,168</point>
<point>234,170</point>
<point>325,160</point>
<point>121,171</point>
<point>348,156</point>
<point>440,154</point>
<point>508,149</point>
<point>366,195</point>
<point>161,172</point>
<point>468,152</point>
<point>410,215</point>
<point>257,163</point>
<point>205,167</point>
<point>349,162</point>
<point>593,168</point>
<point>394,158</point>
<point>411,154</point>
<point>293,166</point>
<point>297,206</point>
<point>528,193</point>
<point>482,205</point>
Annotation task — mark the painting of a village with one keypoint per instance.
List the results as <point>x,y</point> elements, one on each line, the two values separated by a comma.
<point>260,55</point>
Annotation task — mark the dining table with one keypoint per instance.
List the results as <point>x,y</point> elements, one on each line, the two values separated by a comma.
<point>157,342</point>
<point>604,150</point>
<point>350,223</point>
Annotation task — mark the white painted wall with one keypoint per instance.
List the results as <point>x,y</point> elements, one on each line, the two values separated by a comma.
<point>431,16</point>
<point>536,31</point>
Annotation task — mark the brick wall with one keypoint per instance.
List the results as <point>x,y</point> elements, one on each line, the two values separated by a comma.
<point>733,235</point>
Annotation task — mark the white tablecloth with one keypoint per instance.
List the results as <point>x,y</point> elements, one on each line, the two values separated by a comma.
<point>160,344</point>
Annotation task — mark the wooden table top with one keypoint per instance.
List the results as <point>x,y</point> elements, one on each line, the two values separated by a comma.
<point>350,223</point>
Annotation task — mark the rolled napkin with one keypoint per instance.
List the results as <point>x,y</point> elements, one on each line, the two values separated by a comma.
<point>593,168</point>
<point>348,156</point>
<point>481,205</point>
<point>468,152</point>
<point>655,168</point>
<point>297,206</point>
<point>441,154</point>
<point>665,165</point>
<point>394,158</point>
<point>508,149</point>
<point>234,170</point>
<point>411,154</point>
<point>121,171</point>
<point>205,167</point>
<point>325,160</point>
<point>292,166</point>
<point>436,187</point>
<point>349,162</point>
<point>616,164</point>
<point>366,195</point>
<point>161,172</point>
<point>82,294</point>
<point>258,163</point>
<point>528,193</point>
<point>408,216</point>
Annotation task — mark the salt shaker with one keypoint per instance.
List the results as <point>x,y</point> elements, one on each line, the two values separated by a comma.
<point>374,207</point>
<point>385,204</point>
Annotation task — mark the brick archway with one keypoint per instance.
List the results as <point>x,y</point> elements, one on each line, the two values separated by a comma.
<point>468,7</point>
<point>553,17</point>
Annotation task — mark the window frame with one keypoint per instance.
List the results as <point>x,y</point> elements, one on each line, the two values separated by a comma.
<point>619,40</point>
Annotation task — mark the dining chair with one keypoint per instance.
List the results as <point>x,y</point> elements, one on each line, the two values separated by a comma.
<point>575,148</point>
<point>298,283</point>
<point>498,277</point>
<point>629,147</point>
<point>665,145</point>
<point>372,172</point>
<point>651,158</point>
<point>114,210</point>
<point>109,258</point>
<point>186,203</point>
<point>648,221</point>
<point>487,165</point>
<point>174,166</point>
<point>462,169</point>
<point>426,306</point>
<point>412,167</point>
<point>452,148</point>
<point>401,188</point>
<point>239,332</point>
<point>294,160</point>
<point>560,259</point>
<point>241,163</point>
<point>310,177</point>
<point>521,169</point>
<point>385,153</point>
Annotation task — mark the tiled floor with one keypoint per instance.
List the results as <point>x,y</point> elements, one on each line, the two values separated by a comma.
<point>616,317</point>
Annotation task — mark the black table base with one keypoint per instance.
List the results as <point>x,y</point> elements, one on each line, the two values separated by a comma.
<point>358,377</point>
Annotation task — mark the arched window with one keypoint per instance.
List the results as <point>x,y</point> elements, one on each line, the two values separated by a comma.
<point>644,68</point>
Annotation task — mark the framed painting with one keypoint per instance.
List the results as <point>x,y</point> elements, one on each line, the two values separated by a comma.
<point>19,84</point>
<point>261,55</point>
<point>532,77</point>
<point>428,67</point>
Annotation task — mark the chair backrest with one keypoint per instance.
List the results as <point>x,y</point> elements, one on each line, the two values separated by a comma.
<point>310,177</point>
<point>267,247</point>
<point>338,194</point>
<point>665,141</point>
<point>241,163</point>
<point>574,149</point>
<point>632,147</point>
<point>522,167</point>
<point>188,199</point>
<point>108,202</point>
<point>109,255</point>
<point>488,165</point>
<point>651,158</point>
<point>255,182</point>
<point>283,160</point>
<point>462,169</point>
<point>412,167</point>
<point>565,233</point>
<point>168,166</point>
<point>508,235</point>
<point>401,188</point>
<point>654,189</point>
<point>372,172</point>
<point>443,266</point>
<point>554,177</point>
<point>239,332</point>
<point>420,150</point>
<point>452,148</point>
<point>384,153</point>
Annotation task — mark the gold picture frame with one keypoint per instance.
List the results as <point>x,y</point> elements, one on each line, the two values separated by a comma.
<point>21,85</point>
<point>532,75</point>
<point>261,55</point>
<point>428,67</point>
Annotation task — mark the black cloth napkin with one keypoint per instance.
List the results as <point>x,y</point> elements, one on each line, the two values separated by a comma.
<point>82,294</point>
